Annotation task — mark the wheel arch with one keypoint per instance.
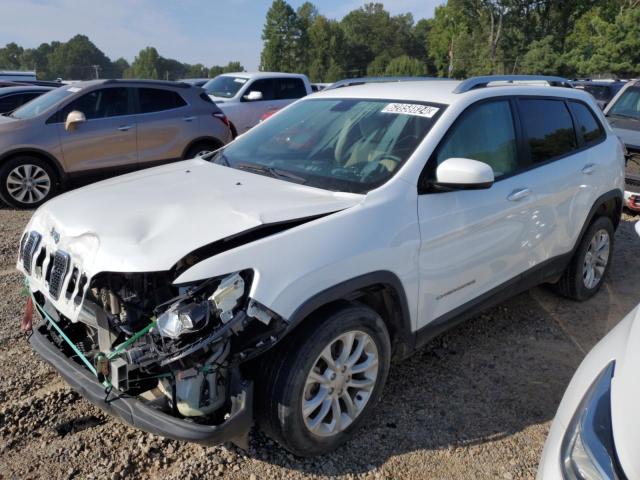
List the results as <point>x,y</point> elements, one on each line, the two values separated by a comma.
<point>41,154</point>
<point>203,139</point>
<point>382,291</point>
<point>608,204</point>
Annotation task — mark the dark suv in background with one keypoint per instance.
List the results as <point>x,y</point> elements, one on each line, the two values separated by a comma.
<point>90,130</point>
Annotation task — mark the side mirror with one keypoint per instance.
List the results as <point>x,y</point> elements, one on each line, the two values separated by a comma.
<point>253,96</point>
<point>74,118</point>
<point>463,174</point>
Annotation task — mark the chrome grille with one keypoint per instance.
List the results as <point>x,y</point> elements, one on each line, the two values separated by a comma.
<point>29,249</point>
<point>58,273</point>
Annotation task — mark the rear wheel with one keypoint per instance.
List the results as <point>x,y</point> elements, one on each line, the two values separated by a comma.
<point>200,149</point>
<point>27,182</point>
<point>324,382</point>
<point>586,272</point>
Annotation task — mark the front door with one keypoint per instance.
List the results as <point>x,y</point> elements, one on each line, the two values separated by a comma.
<point>475,240</point>
<point>107,139</point>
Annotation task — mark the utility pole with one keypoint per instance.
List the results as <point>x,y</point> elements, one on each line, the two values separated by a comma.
<point>97,70</point>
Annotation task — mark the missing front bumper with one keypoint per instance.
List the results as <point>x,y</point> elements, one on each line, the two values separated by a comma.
<point>134,412</point>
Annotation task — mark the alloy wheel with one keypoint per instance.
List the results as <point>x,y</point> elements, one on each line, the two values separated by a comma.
<point>596,259</point>
<point>28,183</point>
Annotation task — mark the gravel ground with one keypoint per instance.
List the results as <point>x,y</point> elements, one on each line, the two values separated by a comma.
<point>475,403</point>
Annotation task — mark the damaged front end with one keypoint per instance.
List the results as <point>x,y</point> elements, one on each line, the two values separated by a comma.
<point>171,360</point>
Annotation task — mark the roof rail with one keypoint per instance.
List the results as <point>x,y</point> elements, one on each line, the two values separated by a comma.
<point>481,82</point>
<point>159,83</point>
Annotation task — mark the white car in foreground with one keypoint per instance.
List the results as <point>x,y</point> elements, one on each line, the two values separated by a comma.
<point>348,229</point>
<point>596,431</point>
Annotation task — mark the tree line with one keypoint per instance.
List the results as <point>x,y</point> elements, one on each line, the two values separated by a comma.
<point>572,38</point>
<point>81,59</point>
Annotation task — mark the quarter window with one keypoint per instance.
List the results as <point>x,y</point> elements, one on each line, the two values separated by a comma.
<point>484,133</point>
<point>100,103</point>
<point>586,122</point>
<point>548,128</point>
<point>157,100</point>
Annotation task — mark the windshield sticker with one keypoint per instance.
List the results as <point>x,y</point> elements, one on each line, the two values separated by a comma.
<point>411,109</point>
<point>73,89</point>
<point>240,80</point>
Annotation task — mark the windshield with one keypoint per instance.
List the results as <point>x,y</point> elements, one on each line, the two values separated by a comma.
<point>224,86</point>
<point>600,92</point>
<point>628,105</point>
<point>42,103</point>
<point>346,145</point>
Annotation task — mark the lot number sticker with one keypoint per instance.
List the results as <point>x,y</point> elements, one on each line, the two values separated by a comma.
<point>411,109</point>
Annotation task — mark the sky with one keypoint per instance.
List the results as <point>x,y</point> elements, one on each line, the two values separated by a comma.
<point>211,32</point>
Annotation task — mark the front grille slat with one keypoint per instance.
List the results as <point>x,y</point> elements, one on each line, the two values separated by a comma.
<point>59,271</point>
<point>30,247</point>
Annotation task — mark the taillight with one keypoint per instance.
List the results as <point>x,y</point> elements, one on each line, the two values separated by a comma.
<point>223,118</point>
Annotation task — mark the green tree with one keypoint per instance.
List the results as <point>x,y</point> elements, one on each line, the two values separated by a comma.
<point>233,67</point>
<point>145,65</point>
<point>119,67</point>
<point>405,66</point>
<point>10,56</point>
<point>79,59</point>
<point>379,65</point>
<point>280,35</point>
<point>543,58</point>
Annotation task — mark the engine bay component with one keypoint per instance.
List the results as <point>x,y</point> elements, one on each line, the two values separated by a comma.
<point>182,318</point>
<point>226,296</point>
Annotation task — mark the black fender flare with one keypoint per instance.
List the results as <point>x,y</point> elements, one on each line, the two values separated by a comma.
<point>57,165</point>
<point>615,194</point>
<point>351,289</point>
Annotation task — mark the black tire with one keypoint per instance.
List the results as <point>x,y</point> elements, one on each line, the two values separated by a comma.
<point>572,283</point>
<point>30,200</point>
<point>199,147</point>
<point>281,388</point>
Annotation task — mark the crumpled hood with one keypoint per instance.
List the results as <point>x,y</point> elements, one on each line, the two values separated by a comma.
<point>625,400</point>
<point>148,220</point>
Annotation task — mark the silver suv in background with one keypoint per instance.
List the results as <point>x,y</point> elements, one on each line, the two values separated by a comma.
<point>245,97</point>
<point>100,128</point>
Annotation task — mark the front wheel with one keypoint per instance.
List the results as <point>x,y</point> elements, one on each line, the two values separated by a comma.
<point>324,382</point>
<point>586,272</point>
<point>26,182</point>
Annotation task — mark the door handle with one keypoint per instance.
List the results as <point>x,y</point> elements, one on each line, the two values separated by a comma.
<point>189,119</point>
<point>124,128</point>
<point>518,194</point>
<point>589,168</point>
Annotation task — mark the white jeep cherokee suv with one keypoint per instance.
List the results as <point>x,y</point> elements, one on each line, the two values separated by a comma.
<point>276,280</point>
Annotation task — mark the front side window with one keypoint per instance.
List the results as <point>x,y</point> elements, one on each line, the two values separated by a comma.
<point>586,122</point>
<point>349,145</point>
<point>224,86</point>
<point>548,128</point>
<point>44,102</point>
<point>156,100</point>
<point>100,103</point>
<point>484,133</point>
<point>628,104</point>
<point>289,88</point>
<point>265,86</point>
<point>9,103</point>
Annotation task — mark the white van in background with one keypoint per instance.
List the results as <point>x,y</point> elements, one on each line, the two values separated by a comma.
<point>244,97</point>
<point>18,75</point>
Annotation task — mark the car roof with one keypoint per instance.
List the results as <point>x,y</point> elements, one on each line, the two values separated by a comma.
<point>254,75</point>
<point>127,81</point>
<point>23,88</point>
<point>442,91</point>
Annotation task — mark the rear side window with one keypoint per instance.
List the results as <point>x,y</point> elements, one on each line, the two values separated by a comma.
<point>157,100</point>
<point>206,97</point>
<point>100,103</point>
<point>288,88</point>
<point>548,128</point>
<point>485,133</point>
<point>586,123</point>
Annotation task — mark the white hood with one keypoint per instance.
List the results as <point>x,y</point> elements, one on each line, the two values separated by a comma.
<point>146,221</point>
<point>625,400</point>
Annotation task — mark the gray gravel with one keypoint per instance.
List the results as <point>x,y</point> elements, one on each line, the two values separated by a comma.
<point>476,403</point>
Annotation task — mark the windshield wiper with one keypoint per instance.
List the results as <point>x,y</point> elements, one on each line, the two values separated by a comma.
<point>271,171</point>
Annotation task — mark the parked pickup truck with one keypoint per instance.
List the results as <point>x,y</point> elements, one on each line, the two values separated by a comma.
<point>244,97</point>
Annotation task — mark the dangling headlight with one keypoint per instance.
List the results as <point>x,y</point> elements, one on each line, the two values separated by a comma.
<point>181,318</point>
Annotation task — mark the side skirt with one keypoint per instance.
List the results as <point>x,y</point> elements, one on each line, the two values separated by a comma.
<point>545,272</point>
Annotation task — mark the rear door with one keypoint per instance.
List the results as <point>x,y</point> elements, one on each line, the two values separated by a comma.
<point>166,125</point>
<point>107,139</point>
